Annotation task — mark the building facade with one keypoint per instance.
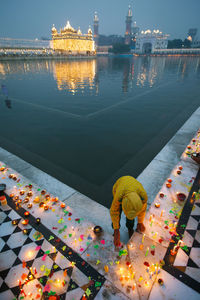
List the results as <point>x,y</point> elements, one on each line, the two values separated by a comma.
<point>149,41</point>
<point>72,41</point>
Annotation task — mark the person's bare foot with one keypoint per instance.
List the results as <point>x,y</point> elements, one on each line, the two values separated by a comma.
<point>140,227</point>
<point>196,157</point>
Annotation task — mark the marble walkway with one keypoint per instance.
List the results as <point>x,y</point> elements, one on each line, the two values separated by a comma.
<point>49,251</point>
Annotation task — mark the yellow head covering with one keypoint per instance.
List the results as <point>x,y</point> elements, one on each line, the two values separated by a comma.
<point>131,205</point>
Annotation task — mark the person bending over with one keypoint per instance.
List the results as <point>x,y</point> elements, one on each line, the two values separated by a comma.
<point>129,196</point>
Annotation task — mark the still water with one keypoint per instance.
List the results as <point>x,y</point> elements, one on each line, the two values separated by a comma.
<point>88,122</point>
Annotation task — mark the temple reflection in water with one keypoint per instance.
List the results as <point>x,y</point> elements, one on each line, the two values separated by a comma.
<point>77,76</point>
<point>74,75</point>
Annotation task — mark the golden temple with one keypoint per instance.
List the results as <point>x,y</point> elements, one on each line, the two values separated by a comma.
<point>73,41</point>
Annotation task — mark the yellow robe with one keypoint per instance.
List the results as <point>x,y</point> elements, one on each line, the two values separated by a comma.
<point>121,188</point>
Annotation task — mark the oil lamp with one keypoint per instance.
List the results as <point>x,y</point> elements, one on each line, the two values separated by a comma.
<point>25,222</point>
<point>157,204</point>
<point>62,205</point>
<point>14,222</point>
<point>30,194</point>
<point>43,192</point>
<point>26,213</point>
<point>41,204</point>
<point>98,230</point>
<point>47,197</point>
<point>2,169</point>
<point>22,192</point>
<point>25,231</point>
<point>26,200</point>
<point>38,220</point>
<point>12,195</point>
<point>181,196</point>
<point>168,185</point>
<point>46,207</point>
<point>29,205</point>
<point>162,195</point>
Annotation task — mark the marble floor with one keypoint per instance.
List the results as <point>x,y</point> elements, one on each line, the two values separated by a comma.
<point>48,250</point>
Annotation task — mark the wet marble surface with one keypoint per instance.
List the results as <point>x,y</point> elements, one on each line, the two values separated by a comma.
<point>171,289</point>
<point>132,272</point>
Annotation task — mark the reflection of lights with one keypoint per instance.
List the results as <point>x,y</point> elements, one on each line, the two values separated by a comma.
<point>75,75</point>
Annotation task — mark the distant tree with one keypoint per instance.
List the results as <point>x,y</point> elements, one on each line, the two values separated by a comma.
<point>175,44</point>
<point>120,48</point>
<point>43,38</point>
<point>187,43</point>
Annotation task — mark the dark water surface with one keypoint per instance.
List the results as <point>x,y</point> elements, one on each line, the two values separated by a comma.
<point>88,122</point>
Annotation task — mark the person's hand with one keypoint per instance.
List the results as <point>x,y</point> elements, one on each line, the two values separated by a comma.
<point>117,242</point>
<point>140,227</point>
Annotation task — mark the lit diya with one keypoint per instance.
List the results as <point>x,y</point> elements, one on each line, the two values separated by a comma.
<point>16,198</point>
<point>47,197</point>
<point>46,207</point>
<point>168,185</point>
<point>26,200</point>
<point>38,220</point>
<point>162,195</point>
<point>25,231</point>
<point>169,180</point>
<point>43,192</point>
<point>41,204</point>
<point>98,230</point>
<point>55,199</point>
<point>181,196</point>
<point>14,222</point>
<point>180,168</point>
<point>25,222</point>
<point>30,194</point>
<point>160,281</point>
<point>29,205</point>
<point>62,205</point>
<point>12,195</point>
<point>157,204</point>
<point>26,213</point>
<point>37,199</point>
<point>22,192</point>
<point>2,169</point>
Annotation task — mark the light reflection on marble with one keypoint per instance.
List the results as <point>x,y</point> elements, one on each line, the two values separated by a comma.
<point>172,289</point>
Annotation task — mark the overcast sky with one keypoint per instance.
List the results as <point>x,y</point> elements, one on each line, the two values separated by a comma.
<point>34,18</point>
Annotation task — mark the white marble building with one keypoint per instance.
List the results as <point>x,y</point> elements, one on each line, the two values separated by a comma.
<point>148,41</point>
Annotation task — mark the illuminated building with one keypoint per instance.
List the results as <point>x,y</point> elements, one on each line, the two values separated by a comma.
<point>73,41</point>
<point>128,26</point>
<point>149,41</point>
<point>96,28</point>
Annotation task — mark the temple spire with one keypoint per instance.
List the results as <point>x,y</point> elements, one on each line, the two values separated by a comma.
<point>130,13</point>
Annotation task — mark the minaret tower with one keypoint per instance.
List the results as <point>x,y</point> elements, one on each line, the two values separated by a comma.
<point>96,28</point>
<point>128,26</point>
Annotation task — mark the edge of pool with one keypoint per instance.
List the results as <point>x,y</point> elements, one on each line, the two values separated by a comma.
<point>152,177</point>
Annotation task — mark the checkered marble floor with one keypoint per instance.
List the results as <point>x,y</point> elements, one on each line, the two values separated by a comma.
<point>31,268</point>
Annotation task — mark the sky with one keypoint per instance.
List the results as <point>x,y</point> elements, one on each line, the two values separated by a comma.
<point>34,18</point>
